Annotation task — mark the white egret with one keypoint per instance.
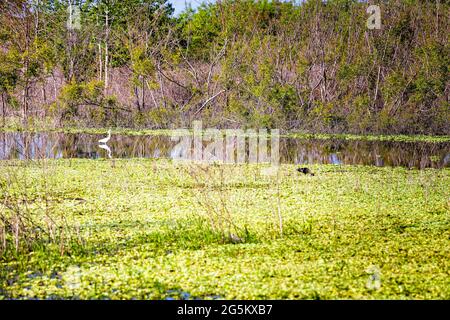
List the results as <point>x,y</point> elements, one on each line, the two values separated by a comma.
<point>105,140</point>
<point>105,147</point>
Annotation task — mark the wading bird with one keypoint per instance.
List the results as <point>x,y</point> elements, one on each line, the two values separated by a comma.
<point>105,147</point>
<point>105,140</point>
<point>305,171</point>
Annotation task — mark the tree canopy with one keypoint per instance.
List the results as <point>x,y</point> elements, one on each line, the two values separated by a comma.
<point>312,66</point>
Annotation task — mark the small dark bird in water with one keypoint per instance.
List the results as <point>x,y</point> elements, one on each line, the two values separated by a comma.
<point>305,171</point>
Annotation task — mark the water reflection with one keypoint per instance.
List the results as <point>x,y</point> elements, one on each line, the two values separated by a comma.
<point>338,152</point>
<point>334,159</point>
<point>108,149</point>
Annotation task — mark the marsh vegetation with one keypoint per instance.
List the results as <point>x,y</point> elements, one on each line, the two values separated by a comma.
<point>148,228</point>
<point>366,111</point>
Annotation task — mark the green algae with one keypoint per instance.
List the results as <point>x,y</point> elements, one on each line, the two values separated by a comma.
<point>142,229</point>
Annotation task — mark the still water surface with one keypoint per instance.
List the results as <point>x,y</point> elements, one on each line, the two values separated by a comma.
<point>295,151</point>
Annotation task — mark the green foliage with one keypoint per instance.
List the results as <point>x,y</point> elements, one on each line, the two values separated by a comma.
<point>76,97</point>
<point>312,65</point>
<point>199,30</point>
<point>144,236</point>
<point>431,81</point>
<point>9,70</point>
<point>142,65</point>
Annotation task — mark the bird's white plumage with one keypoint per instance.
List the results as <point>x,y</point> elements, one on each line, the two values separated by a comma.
<point>105,140</point>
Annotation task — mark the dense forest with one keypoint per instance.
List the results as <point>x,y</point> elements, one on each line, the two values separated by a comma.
<point>313,66</point>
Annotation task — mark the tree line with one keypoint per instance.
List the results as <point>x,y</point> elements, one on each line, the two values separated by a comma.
<point>309,66</point>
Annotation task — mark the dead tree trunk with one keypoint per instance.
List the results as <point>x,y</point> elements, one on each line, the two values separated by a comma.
<point>3,109</point>
<point>106,50</point>
<point>143,93</point>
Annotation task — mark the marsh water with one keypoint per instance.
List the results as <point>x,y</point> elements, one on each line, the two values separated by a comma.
<point>295,151</point>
